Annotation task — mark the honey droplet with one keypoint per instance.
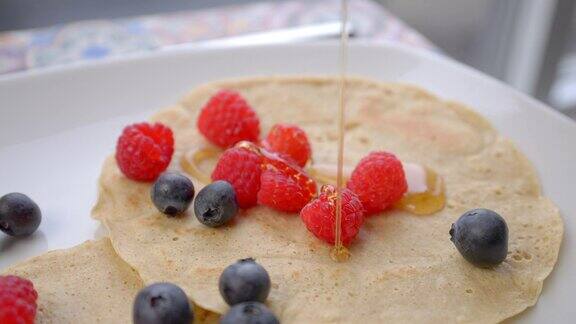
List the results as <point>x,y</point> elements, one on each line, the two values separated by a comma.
<point>426,191</point>
<point>192,160</point>
<point>339,253</point>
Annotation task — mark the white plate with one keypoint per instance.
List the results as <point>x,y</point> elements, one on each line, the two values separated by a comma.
<point>57,125</point>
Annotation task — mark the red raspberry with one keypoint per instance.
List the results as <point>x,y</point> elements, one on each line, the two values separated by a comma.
<point>241,167</point>
<point>17,300</point>
<point>379,181</point>
<point>285,192</point>
<point>290,141</point>
<point>289,182</point>
<point>227,119</point>
<point>275,161</point>
<point>320,215</point>
<point>144,151</point>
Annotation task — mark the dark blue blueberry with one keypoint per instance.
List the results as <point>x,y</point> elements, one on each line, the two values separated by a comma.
<point>19,215</point>
<point>162,303</point>
<point>244,281</point>
<point>216,204</point>
<point>249,313</point>
<point>481,236</point>
<point>172,193</point>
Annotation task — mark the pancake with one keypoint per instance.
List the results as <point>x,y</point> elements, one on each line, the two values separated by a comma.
<point>88,283</point>
<point>403,266</point>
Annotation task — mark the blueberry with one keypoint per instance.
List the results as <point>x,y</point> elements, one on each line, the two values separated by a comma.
<point>172,193</point>
<point>162,303</point>
<point>216,204</point>
<point>249,313</point>
<point>481,236</point>
<point>19,215</point>
<point>244,281</point>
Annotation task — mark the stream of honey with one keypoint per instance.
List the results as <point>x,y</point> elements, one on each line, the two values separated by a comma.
<point>339,252</point>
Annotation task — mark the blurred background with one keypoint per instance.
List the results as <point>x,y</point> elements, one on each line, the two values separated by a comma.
<point>529,44</point>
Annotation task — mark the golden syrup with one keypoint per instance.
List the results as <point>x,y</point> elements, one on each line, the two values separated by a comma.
<point>339,252</point>
<point>426,191</point>
<point>191,162</point>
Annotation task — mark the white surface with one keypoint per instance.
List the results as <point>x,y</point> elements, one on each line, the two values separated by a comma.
<point>57,126</point>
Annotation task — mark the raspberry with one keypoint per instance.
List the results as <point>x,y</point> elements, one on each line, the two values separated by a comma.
<point>144,150</point>
<point>290,141</point>
<point>379,181</point>
<point>286,187</point>
<point>17,300</point>
<point>241,167</point>
<point>285,192</point>
<point>227,119</point>
<point>320,215</point>
<point>288,167</point>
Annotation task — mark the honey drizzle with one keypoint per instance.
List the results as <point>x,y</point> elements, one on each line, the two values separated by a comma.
<point>340,253</point>
<point>426,202</point>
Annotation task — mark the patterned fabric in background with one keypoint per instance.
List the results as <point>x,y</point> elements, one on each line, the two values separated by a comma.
<point>96,39</point>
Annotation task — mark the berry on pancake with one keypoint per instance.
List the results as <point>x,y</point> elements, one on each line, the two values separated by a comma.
<point>290,141</point>
<point>144,151</point>
<point>283,192</point>
<point>320,215</point>
<point>249,313</point>
<point>162,302</point>
<point>379,181</point>
<point>244,281</point>
<point>481,236</point>
<point>227,119</point>
<point>284,185</point>
<point>172,193</point>
<point>17,300</point>
<point>216,204</point>
<point>241,168</point>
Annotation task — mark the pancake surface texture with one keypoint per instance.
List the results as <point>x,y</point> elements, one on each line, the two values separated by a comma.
<point>403,267</point>
<point>88,283</point>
